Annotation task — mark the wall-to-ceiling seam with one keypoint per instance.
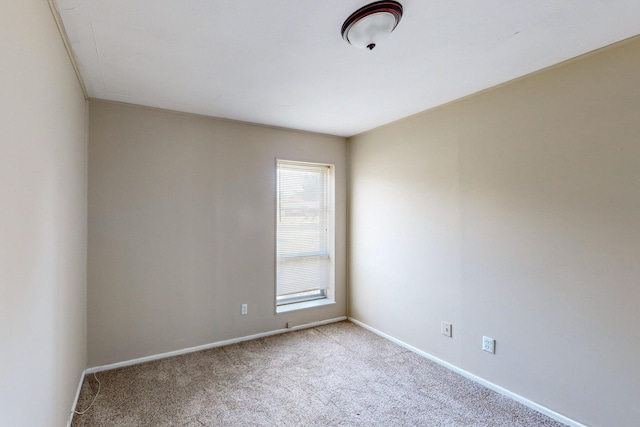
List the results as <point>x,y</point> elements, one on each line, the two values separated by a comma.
<point>67,45</point>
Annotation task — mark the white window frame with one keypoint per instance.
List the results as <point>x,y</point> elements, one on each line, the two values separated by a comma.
<point>329,292</point>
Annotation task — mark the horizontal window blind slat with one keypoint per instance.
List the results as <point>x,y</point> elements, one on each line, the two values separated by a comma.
<point>304,255</point>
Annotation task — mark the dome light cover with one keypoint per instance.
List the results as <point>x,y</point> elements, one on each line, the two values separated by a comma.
<point>371,24</point>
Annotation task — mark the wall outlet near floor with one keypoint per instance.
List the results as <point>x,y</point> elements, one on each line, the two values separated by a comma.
<point>489,344</point>
<point>445,329</point>
<point>244,309</point>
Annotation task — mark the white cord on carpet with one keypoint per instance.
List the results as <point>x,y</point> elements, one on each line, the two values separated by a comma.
<point>94,397</point>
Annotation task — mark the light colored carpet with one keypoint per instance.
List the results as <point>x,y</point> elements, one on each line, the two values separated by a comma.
<point>333,375</point>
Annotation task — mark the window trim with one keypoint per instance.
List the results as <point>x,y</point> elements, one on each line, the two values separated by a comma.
<point>329,297</point>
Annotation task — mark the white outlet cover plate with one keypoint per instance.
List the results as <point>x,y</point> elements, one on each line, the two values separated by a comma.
<point>489,344</point>
<point>445,329</point>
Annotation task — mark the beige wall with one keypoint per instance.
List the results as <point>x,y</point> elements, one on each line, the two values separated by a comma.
<point>43,175</point>
<point>514,214</point>
<point>182,229</point>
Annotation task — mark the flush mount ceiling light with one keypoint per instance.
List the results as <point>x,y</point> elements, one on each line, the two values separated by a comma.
<point>372,23</point>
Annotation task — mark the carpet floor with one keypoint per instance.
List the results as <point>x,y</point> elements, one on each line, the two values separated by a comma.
<point>333,375</point>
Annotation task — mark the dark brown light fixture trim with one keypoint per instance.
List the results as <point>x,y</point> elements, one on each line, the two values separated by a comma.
<point>392,7</point>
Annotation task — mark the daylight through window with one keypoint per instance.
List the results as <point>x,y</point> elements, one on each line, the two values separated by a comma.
<point>304,268</point>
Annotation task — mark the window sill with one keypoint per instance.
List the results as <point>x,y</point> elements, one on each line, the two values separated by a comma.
<point>305,304</point>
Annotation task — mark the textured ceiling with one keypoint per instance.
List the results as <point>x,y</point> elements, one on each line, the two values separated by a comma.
<point>284,63</point>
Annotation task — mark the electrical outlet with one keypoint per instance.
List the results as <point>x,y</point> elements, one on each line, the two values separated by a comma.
<point>445,329</point>
<point>489,344</point>
<point>244,309</point>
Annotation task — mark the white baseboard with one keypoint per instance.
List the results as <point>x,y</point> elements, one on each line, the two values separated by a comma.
<point>75,401</point>
<point>208,346</point>
<point>531,404</point>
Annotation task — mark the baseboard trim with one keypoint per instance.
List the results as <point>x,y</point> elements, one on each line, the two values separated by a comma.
<point>503,391</point>
<point>208,346</point>
<point>75,401</point>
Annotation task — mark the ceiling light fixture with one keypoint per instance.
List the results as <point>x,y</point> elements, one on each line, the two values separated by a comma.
<point>372,23</point>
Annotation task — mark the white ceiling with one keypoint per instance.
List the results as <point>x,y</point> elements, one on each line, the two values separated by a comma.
<point>284,63</point>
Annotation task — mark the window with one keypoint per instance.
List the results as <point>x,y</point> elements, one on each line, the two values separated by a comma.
<point>304,236</point>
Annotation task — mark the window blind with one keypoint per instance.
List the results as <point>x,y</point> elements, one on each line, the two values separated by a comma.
<point>303,262</point>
